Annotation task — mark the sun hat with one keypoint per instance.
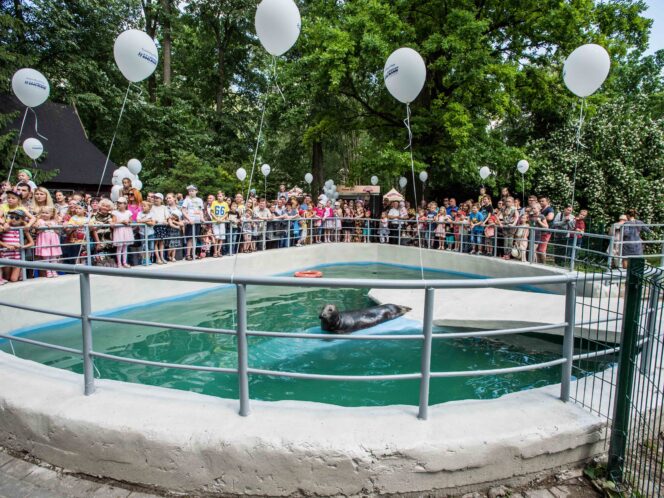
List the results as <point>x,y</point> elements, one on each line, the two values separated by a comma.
<point>160,195</point>
<point>14,193</point>
<point>27,172</point>
<point>17,212</point>
<point>122,199</point>
<point>192,187</point>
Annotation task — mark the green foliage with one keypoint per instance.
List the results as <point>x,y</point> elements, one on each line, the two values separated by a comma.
<point>493,93</point>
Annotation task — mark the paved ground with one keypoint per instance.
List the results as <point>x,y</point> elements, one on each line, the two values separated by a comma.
<point>22,479</point>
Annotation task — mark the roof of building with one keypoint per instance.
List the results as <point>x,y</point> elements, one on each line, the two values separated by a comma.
<point>67,149</point>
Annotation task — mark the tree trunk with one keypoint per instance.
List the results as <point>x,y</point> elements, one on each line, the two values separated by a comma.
<point>317,168</point>
<point>167,40</point>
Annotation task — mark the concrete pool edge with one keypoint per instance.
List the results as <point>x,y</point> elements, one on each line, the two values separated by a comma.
<point>187,442</point>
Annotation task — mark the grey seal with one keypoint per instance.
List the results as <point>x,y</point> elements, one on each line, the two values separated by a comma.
<point>342,322</point>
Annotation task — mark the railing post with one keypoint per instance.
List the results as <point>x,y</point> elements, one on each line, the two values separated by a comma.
<point>193,241</point>
<point>21,241</point>
<point>425,378</point>
<point>242,353</point>
<point>626,369</point>
<point>264,234</point>
<point>88,246</point>
<point>86,328</point>
<point>146,248</point>
<point>462,236</point>
<point>367,239</point>
<point>531,244</point>
<point>399,233</point>
<point>495,241</point>
<point>610,252</point>
<point>572,257</point>
<point>288,229</point>
<point>568,340</point>
<point>232,239</point>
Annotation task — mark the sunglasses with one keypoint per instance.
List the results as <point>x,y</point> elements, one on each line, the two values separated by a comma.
<point>14,217</point>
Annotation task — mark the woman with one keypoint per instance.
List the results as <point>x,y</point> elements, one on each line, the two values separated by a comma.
<point>293,214</point>
<point>359,224</point>
<point>41,198</point>
<point>632,244</point>
<point>61,205</point>
<point>134,198</point>
<point>347,223</point>
<point>233,227</point>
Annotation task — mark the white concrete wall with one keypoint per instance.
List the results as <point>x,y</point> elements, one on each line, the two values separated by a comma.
<point>197,444</point>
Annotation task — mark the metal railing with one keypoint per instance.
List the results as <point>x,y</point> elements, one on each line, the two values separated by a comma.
<point>241,332</point>
<point>525,243</point>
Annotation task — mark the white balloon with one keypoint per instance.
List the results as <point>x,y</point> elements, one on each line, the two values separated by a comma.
<point>309,178</point>
<point>333,188</point>
<point>115,192</point>
<point>137,184</point>
<point>324,199</point>
<point>135,166</point>
<point>265,169</point>
<point>116,172</point>
<point>30,87</point>
<point>123,172</point>
<point>135,54</point>
<point>374,180</point>
<point>522,166</point>
<point>277,25</point>
<point>33,148</point>
<point>329,183</point>
<point>116,180</point>
<point>484,172</point>
<point>403,182</point>
<point>241,174</point>
<point>404,74</point>
<point>586,69</point>
<point>335,195</point>
<point>424,176</point>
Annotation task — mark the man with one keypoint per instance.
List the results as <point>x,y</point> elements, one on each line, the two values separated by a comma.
<point>219,217</point>
<point>280,213</point>
<point>263,215</point>
<point>394,215</point>
<point>451,208</point>
<point>192,211</point>
<point>510,220</point>
<point>307,202</point>
<point>239,200</point>
<point>565,222</point>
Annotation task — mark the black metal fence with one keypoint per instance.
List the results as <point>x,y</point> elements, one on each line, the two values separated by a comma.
<point>636,453</point>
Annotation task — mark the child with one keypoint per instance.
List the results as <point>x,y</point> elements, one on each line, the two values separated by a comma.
<point>384,230</point>
<point>48,240</point>
<point>329,222</point>
<point>441,219</point>
<point>176,227</point>
<point>146,217</point>
<point>459,221</point>
<point>123,235</point>
<point>76,232</point>
<point>247,230</point>
<point>477,229</point>
<point>490,232</point>
<point>10,241</point>
<point>520,243</point>
<point>207,240</point>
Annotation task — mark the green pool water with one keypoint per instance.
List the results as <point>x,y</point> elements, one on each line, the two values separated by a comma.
<point>293,310</point>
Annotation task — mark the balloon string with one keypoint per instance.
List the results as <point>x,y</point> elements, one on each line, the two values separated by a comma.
<point>412,170</point>
<point>11,167</point>
<point>578,146</point>
<point>276,82</point>
<point>37,125</point>
<point>117,125</point>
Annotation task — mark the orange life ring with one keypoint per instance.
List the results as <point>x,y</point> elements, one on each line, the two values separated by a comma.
<point>308,274</point>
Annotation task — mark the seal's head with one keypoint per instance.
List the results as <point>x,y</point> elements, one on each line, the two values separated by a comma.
<point>329,317</point>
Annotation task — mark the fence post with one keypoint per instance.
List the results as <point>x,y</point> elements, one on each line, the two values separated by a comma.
<point>462,237</point>
<point>146,248</point>
<point>651,326</point>
<point>193,241</point>
<point>626,369</point>
<point>610,253</point>
<point>232,239</point>
<point>88,246</point>
<point>288,229</point>
<point>21,241</point>
<point>531,244</point>
<point>568,341</point>
<point>242,353</point>
<point>368,237</point>
<point>399,234</point>
<point>426,354</point>
<point>86,328</point>
<point>495,241</point>
<point>572,258</point>
<point>264,233</point>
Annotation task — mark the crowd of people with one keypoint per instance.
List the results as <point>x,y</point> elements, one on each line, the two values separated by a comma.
<point>36,224</point>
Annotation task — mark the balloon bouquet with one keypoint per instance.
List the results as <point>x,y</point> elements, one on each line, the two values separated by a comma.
<point>130,171</point>
<point>136,56</point>
<point>32,89</point>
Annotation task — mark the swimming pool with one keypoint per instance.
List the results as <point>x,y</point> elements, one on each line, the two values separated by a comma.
<point>296,310</point>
